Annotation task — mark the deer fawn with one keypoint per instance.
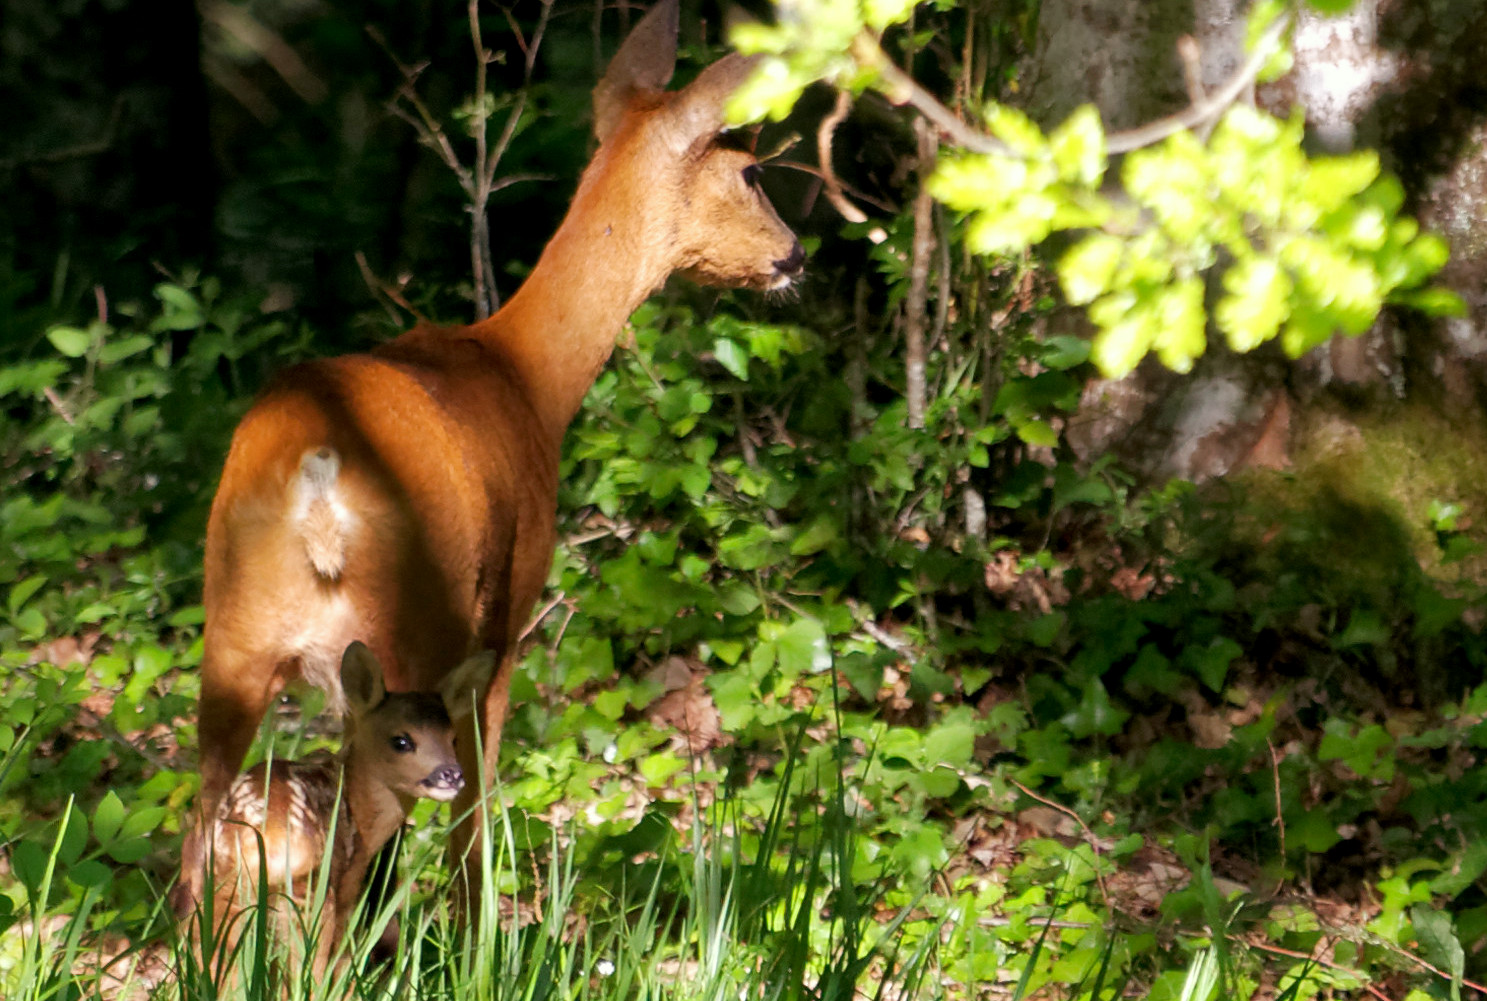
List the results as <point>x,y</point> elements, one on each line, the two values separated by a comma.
<point>406,497</point>
<point>293,822</point>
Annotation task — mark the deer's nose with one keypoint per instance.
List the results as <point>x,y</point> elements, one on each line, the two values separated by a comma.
<point>793,262</point>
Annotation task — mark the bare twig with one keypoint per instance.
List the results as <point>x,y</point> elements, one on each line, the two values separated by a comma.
<point>825,134</point>
<point>1424,965</point>
<point>386,290</point>
<point>542,613</point>
<point>1293,954</point>
<point>478,181</point>
<point>1280,820</point>
<point>900,88</point>
<point>1212,105</point>
<point>1089,836</point>
<point>59,405</point>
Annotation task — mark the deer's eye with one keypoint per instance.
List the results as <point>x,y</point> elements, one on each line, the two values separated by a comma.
<point>401,743</point>
<point>751,174</point>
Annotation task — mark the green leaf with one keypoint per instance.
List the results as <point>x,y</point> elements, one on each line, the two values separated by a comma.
<point>732,357</point>
<point>802,648</point>
<point>1211,663</point>
<point>108,818</point>
<point>72,839</point>
<point>1037,433</point>
<point>28,860</point>
<point>1096,714</point>
<point>181,310</point>
<point>1079,147</point>
<point>90,875</point>
<point>1256,303</point>
<point>142,821</point>
<point>1180,336</point>
<point>23,591</point>
<point>1432,301</point>
<point>821,533</point>
<point>1124,337</point>
<point>1020,132</point>
<point>1087,270</point>
<point>950,744</point>
<point>1060,352</point>
<point>115,351</point>
<point>70,341</point>
<point>1438,940</point>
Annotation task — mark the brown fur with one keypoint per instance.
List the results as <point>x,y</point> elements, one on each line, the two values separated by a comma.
<point>447,439</point>
<point>290,822</point>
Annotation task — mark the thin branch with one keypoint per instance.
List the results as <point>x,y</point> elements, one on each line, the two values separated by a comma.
<point>900,88</point>
<point>485,291</point>
<point>1337,967</point>
<point>820,175</point>
<point>825,134</point>
<point>542,613</point>
<point>386,290</point>
<point>1089,836</point>
<point>1479,988</point>
<point>424,124</point>
<point>1280,820</point>
<point>1213,105</point>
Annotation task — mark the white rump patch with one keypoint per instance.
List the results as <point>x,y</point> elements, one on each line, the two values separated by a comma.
<point>324,522</point>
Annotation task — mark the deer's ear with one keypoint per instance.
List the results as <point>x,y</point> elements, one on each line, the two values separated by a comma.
<point>697,112</point>
<point>361,678</point>
<point>465,686</point>
<point>643,63</point>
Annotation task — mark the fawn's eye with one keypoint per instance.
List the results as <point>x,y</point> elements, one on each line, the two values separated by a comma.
<point>402,743</point>
<point>751,174</point>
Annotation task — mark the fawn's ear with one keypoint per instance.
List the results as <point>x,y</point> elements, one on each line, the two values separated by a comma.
<point>361,678</point>
<point>643,64</point>
<point>464,688</point>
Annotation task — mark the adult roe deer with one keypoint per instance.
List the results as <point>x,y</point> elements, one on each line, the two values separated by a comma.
<point>406,497</point>
<point>290,823</point>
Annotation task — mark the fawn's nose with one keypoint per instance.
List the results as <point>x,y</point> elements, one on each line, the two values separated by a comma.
<point>448,778</point>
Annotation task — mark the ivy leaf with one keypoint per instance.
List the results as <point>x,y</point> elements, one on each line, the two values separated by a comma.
<point>1096,714</point>
<point>1017,130</point>
<point>1257,302</point>
<point>1078,147</point>
<point>1087,270</point>
<point>1124,338</point>
<point>1180,336</point>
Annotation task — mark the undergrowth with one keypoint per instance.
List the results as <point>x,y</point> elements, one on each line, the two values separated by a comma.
<point>790,724</point>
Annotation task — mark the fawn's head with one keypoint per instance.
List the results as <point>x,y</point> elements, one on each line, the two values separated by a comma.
<point>714,219</point>
<point>405,740</point>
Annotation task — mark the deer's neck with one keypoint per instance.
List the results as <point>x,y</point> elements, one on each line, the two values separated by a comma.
<point>373,814</point>
<point>605,259</point>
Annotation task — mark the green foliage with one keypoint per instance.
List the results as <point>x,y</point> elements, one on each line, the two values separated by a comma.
<point>827,704</point>
<point>1304,247</point>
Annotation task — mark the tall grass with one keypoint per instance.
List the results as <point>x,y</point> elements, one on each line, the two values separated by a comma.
<point>735,907</point>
